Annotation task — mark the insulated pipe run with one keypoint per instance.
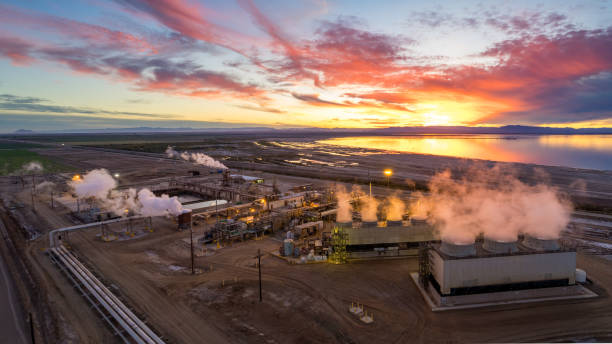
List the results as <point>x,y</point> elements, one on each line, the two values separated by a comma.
<point>52,234</point>
<point>137,328</point>
<point>98,296</point>
<point>114,298</point>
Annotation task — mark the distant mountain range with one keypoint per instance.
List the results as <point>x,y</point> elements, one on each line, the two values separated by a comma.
<point>508,129</point>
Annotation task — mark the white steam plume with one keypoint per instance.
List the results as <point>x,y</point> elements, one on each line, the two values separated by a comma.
<point>418,208</point>
<point>369,209</point>
<point>152,205</point>
<point>96,183</point>
<point>32,166</point>
<point>493,202</point>
<point>395,209</point>
<point>45,186</point>
<point>121,202</point>
<point>171,153</point>
<point>344,213</point>
<point>101,185</point>
<point>198,158</point>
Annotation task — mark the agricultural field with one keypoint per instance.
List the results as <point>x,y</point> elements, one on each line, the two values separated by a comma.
<point>13,157</point>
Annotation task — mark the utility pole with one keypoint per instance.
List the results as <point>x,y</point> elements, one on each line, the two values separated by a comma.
<point>32,194</point>
<point>259,267</point>
<point>32,330</point>
<point>52,200</point>
<point>192,259</point>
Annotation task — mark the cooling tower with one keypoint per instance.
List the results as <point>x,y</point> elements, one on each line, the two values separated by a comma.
<point>369,224</point>
<point>418,220</point>
<point>394,223</point>
<point>458,250</point>
<point>495,246</point>
<point>538,244</point>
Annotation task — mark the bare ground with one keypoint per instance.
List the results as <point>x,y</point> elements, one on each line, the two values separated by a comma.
<point>306,303</point>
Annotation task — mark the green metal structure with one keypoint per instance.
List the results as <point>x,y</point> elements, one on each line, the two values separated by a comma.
<point>339,241</point>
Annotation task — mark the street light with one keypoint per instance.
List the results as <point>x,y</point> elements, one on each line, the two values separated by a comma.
<point>388,173</point>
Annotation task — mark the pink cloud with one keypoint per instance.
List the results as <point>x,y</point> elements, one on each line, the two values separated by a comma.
<point>89,33</point>
<point>15,49</point>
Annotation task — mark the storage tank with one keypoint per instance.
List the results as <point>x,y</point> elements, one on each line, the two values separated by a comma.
<point>288,247</point>
<point>540,244</point>
<point>496,246</point>
<point>184,219</point>
<point>581,276</point>
<point>458,250</point>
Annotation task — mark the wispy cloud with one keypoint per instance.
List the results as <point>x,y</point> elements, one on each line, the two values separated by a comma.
<point>9,102</point>
<point>540,66</point>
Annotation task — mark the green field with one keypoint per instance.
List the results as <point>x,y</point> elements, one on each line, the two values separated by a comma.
<point>18,145</point>
<point>12,161</point>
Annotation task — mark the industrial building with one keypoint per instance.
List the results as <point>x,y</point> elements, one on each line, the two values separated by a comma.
<point>379,239</point>
<point>499,266</point>
<point>493,271</point>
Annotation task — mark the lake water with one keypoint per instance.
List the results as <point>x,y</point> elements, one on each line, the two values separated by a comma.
<point>581,151</point>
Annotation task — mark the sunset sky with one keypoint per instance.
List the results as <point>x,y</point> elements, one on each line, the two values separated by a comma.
<point>354,64</point>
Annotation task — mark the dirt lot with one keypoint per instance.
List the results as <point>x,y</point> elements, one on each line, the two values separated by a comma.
<point>302,303</point>
<point>309,303</point>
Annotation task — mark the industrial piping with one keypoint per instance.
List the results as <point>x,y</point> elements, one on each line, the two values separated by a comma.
<point>140,332</point>
<point>52,234</point>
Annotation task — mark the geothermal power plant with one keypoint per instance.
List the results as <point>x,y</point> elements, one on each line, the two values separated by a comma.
<point>181,241</point>
<point>459,266</point>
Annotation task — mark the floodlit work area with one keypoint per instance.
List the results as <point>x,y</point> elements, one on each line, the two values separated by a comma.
<point>181,247</point>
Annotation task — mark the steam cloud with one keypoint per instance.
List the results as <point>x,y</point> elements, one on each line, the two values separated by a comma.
<point>45,186</point>
<point>493,202</point>
<point>96,183</point>
<point>32,167</point>
<point>369,209</point>
<point>198,158</point>
<point>395,209</point>
<point>102,186</point>
<point>393,206</point>
<point>155,206</point>
<point>344,213</point>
